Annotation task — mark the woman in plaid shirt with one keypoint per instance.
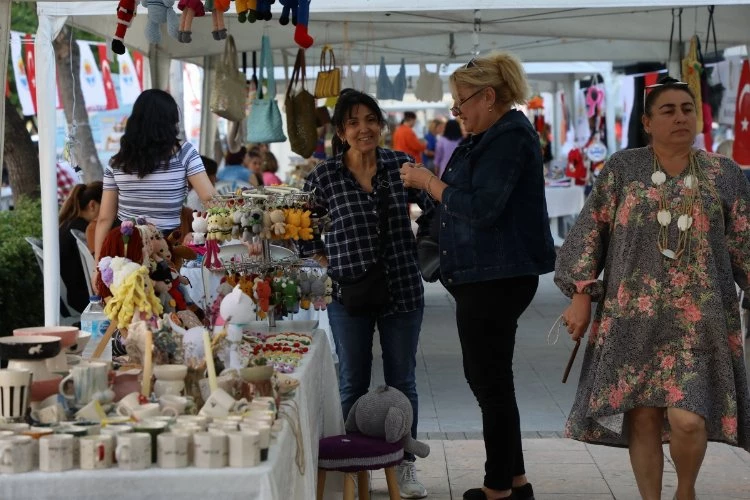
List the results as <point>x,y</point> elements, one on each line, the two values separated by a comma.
<point>361,180</point>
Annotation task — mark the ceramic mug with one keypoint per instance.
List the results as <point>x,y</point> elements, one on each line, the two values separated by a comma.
<point>133,451</point>
<point>48,415</point>
<point>172,450</point>
<point>114,431</point>
<point>16,454</point>
<point>15,387</point>
<point>56,452</point>
<point>244,448</point>
<point>91,412</point>
<point>173,405</point>
<point>128,403</point>
<point>96,451</point>
<point>264,429</point>
<point>218,404</point>
<point>153,429</point>
<point>89,380</point>
<point>210,450</point>
<point>146,411</point>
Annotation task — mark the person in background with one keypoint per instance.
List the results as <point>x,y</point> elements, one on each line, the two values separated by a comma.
<point>446,144</point>
<point>360,187</point>
<point>234,168</point>
<point>270,167</point>
<point>148,177</point>
<point>434,130</point>
<point>254,161</point>
<point>660,246</point>
<point>405,139</point>
<point>494,242</point>
<point>81,208</point>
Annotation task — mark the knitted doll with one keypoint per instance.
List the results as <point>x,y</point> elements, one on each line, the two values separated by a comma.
<point>289,8</point>
<point>125,14</point>
<point>301,36</point>
<point>190,9</point>
<point>243,8</point>
<point>160,12</point>
<point>114,246</point>
<point>133,296</point>
<point>218,8</point>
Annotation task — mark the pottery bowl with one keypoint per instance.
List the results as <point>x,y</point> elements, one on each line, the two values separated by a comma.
<point>68,335</point>
<point>80,344</point>
<point>30,347</point>
<point>170,372</point>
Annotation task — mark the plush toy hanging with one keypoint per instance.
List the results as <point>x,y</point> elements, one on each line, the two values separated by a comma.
<point>125,14</point>
<point>190,9</point>
<point>300,15</point>
<point>576,169</point>
<point>594,100</point>
<point>217,9</point>
<point>160,12</point>
<point>259,10</point>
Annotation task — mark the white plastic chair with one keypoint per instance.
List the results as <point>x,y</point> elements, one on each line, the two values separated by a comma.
<point>75,316</point>
<point>87,260</point>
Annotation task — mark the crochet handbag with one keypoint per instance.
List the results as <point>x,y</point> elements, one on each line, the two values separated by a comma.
<point>264,123</point>
<point>229,89</point>
<point>328,82</point>
<point>301,120</point>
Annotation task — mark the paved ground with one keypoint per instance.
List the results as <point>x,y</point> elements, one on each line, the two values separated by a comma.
<point>559,469</point>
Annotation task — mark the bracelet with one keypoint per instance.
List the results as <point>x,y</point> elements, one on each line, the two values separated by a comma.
<point>427,187</point>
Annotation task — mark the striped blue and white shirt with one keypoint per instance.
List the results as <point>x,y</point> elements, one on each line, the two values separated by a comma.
<point>159,196</point>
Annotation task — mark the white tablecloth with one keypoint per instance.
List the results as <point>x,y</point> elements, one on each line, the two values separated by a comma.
<point>561,202</point>
<point>277,478</point>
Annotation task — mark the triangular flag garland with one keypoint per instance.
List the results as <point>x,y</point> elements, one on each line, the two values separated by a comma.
<point>741,151</point>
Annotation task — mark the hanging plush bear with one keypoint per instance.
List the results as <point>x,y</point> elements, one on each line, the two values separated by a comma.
<point>125,14</point>
<point>160,12</point>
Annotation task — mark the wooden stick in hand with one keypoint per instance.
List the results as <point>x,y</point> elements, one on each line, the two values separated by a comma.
<point>570,361</point>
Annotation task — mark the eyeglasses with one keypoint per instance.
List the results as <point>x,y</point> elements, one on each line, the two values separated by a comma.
<point>456,110</point>
<point>471,63</point>
<point>647,90</point>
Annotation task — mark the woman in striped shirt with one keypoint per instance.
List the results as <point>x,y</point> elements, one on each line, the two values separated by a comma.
<point>148,177</point>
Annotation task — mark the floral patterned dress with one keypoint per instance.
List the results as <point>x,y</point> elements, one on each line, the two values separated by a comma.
<point>666,333</point>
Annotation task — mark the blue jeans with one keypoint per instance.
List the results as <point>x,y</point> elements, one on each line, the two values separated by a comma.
<point>399,336</point>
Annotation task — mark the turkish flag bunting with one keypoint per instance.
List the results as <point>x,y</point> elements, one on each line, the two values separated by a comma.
<point>109,87</point>
<point>28,46</point>
<point>741,151</point>
<point>138,62</point>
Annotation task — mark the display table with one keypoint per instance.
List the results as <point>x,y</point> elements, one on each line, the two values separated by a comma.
<point>278,478</point>
<point>562,202</point>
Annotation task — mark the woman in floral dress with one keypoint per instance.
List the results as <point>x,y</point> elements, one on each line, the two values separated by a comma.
<point>670,227</point>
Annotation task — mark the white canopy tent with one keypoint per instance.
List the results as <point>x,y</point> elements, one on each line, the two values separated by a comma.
<point>438,31</point>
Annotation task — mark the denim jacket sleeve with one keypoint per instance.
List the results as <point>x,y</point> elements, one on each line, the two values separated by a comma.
<point>496,168</point>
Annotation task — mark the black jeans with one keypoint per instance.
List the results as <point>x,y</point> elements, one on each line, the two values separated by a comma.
<point>487,315</point>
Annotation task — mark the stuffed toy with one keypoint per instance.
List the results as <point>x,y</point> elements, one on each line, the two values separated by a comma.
<point>305,290</point>
<point>385,413</point>
<point>262,11</point>
<point>162,279</point>
<point>319,293</point>
<point>278,227</point>
<point>291,295</point>
<point>115,246</point>
<point>133,295</point>
<point>267,224</point>
<point>125,14</point>
<point>262,294</point>
<point>160,12</point>
<point>237,309</point>
<point>200,228</point>
<point>243,8</point>
<point>190,9</point>
<point>301,36</point>
<point>226,224</point>
<point>292,221</point>
<point>305,229</point>
<point>218,8</point>
<point>237,216</point>
<point>289,8</point>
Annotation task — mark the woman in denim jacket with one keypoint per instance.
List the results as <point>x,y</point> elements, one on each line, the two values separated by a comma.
<point>491,222</point>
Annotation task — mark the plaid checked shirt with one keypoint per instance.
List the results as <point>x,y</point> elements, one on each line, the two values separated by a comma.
<point>351,243</point>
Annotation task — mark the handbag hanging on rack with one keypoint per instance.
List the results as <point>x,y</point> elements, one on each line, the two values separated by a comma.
<point>229,90</point>
<point>328,82</point>
<point>264,122</point>
<point>299,106</point>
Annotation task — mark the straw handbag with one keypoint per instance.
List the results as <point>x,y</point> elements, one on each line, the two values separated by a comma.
<point>301,122</point>
<point>229,89</point>
<point>264,123</point>
<point>328,83</point>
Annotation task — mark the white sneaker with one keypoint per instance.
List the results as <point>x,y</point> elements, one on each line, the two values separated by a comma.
<point>408,484</point>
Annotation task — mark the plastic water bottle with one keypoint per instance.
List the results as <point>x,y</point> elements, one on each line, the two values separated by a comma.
<point>95,321</point>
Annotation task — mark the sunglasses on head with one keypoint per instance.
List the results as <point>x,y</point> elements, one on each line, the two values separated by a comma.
<point>647,90</point>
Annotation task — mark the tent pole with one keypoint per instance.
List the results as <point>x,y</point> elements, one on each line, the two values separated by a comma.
<point>49,26</point>
<point>556,120</point>
<point>4,46</point>
<point>609,113</point>
<point>208,119</point>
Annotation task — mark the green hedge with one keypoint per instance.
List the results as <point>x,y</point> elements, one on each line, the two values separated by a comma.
<point>21,287</point>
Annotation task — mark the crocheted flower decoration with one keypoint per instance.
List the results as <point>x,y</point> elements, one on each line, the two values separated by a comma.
<point>106,271</point>
<point>126,229</point>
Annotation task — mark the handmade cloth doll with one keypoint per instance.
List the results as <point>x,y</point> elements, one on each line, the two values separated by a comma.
<point>301,36</point>
<point>262,11</point>
<point>125,14</point>
<point>262,295</point>
<point>218,9</point>
<point>114,246</point>
<point>133,295</point>
<point>243,8</point>
<point>385,413</point>
<point>190,9</point>
<point>160,12</point>
<point>289,9</point>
